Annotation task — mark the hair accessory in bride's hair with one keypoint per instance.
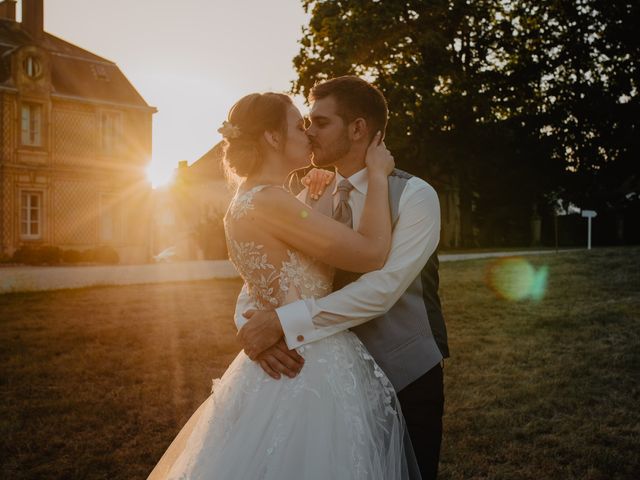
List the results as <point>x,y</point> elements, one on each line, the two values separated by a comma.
<point>228,130</point>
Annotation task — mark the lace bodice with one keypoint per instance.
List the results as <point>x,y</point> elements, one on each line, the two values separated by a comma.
<point>274,273</point>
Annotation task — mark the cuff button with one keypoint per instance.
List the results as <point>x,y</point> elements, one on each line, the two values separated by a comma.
<point>300,338</point>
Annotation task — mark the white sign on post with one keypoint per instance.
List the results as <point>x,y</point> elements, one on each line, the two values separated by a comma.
<point>589,214</point>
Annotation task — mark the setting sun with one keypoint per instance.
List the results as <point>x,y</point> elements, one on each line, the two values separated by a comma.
<point>159,173</point>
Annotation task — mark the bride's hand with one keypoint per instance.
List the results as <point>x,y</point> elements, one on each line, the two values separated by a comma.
<point>317,180</point>
<point>379,158</point>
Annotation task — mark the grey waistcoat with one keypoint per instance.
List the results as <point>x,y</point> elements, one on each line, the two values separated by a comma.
<point>411,338</point>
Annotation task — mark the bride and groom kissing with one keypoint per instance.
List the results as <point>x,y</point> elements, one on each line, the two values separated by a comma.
<point>339,318</point>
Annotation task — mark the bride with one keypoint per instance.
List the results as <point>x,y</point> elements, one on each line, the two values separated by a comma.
<point>339,418</point>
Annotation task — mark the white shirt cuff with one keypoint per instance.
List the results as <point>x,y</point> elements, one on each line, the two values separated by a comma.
<point>296,322</point>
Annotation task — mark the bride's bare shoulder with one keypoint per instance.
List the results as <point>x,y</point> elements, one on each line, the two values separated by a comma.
<point>275,198</point>
<point>277,206</point>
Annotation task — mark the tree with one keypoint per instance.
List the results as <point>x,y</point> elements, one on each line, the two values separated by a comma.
<point>430,59</point>
<point>512,103</point>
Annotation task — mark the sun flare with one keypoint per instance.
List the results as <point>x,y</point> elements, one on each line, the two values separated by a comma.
<point>159,174</point>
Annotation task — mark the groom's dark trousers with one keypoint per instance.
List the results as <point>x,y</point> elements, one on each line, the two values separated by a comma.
<point>422,404</point>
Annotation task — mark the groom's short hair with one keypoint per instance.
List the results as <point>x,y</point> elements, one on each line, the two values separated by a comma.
<point>355,98</point>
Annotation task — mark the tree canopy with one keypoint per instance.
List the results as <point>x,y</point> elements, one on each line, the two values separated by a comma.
<point>513,104</point>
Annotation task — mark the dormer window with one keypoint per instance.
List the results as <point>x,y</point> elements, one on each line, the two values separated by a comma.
<point>32,67</point>
<point>100,72</point>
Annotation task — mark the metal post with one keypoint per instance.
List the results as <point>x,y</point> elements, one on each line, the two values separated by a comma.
<point>589,214</point>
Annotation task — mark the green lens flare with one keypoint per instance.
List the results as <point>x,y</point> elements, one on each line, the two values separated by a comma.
<point>516,279</point>
<point>539,286</point>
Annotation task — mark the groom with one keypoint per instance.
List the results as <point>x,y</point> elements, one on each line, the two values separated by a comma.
<point>395,311</point>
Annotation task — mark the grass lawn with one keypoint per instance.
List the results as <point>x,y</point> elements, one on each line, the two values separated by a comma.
<point>96,382</point>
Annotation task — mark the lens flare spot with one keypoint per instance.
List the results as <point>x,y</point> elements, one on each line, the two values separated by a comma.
<point>304,213</point>
<point>516,279</point>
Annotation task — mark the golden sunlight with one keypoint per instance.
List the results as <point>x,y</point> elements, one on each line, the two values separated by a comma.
<point>159,174</point>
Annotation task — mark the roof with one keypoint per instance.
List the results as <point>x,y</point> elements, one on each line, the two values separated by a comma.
<point>75,72</point>
<point>209,166</point>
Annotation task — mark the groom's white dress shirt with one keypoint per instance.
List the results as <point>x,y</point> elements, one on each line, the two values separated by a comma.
<point>415,238</point>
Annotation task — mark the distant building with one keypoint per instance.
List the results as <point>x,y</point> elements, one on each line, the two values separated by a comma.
<point>75,137</point>
<point>188,213</point>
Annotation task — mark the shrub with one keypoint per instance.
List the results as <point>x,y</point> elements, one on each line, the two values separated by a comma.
<point>49,255</point>
<point>39,255</point>
<point>71,256</point>
<point>210,238</point>
<point>88,255</point>
<point>106,255</point>
<point>24,254</point>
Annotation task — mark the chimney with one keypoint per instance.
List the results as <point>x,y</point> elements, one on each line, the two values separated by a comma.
<point>8,10</point>
<point>33,18</point>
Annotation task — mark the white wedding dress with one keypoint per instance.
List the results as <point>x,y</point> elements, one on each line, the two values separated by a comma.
<point>338,419</point>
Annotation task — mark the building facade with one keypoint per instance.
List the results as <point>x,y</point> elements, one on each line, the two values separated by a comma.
<point>188,213</point>
<point>75,138</point>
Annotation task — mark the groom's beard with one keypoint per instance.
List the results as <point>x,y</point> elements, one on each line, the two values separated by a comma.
<point>330,154</point>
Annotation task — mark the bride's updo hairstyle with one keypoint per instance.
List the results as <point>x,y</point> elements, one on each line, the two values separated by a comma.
<point>243,132</point>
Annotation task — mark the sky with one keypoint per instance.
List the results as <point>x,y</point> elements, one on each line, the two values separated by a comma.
<point>191,59</point>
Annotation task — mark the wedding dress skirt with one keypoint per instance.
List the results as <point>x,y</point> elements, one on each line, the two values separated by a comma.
<point>338,419</point>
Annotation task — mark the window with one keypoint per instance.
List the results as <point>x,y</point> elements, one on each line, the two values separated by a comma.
<point>31,215</point>
<point>107,220</point>
<point>31,124</point>
<point>100,72</point>
<point>111,132</point>
<point>32,67</point>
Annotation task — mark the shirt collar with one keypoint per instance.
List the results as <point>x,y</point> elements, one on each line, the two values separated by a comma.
<point>359,180</point>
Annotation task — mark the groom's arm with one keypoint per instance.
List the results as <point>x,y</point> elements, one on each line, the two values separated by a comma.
<point>415,239</point>
<point>243,303</point>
